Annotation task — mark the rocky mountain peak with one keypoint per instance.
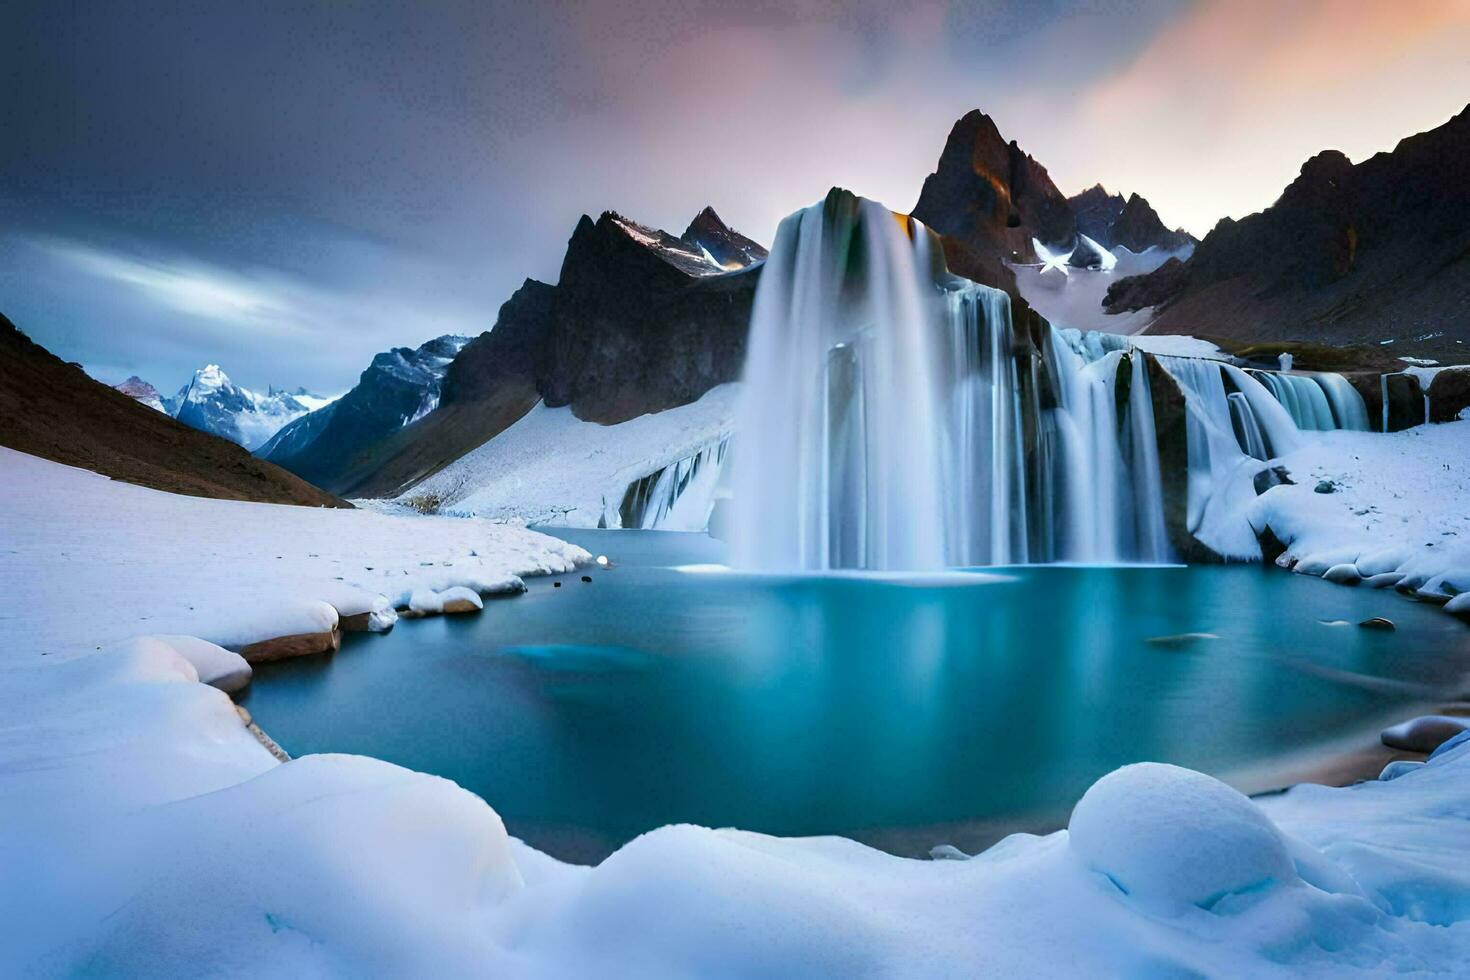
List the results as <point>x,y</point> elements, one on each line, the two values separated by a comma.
<point>724,244</point>
<point>988,200</point>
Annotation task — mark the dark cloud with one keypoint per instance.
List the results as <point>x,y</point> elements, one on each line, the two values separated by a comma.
<point>286,188</point>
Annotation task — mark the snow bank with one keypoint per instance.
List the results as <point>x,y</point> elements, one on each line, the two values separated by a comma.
<point>85,561</point>
<point>1397,506</point>
<point>551,467</point>
<point>144,830</point>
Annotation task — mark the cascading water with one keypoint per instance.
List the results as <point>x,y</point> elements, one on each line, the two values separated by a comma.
<point>891,416</point>
<point>1321,402</point>
<point>1348,407</point>
<point>1111,507</point>
<point>840,419</point>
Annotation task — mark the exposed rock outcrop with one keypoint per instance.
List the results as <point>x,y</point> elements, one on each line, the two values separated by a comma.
<point>1449,394</point>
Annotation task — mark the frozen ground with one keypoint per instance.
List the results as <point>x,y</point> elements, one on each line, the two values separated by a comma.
<point>86,561</point>
<point>1399,503</point>
<point>551,467</point>
<point>144,831</point>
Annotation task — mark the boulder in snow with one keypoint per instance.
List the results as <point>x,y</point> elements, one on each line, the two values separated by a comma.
<point>1424,734</point>
<point>1170,838</point>
<point>295,645</point>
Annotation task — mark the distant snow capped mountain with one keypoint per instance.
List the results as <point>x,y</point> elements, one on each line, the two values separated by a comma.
<point>213,403</point>
<point>398,388</point>
<point>136,388</point>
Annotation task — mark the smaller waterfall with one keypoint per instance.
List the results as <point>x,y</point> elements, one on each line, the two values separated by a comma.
<point>1111,497</point>
<point>679,497</point>
<point>1247,429</point>
<point>1348,407</point>
<point>1321,402</point>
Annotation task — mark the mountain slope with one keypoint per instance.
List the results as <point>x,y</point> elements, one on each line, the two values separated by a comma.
<point>51,409</point>
<point>639,322</point>
<point>1350,253</point>
<point>398,388</point>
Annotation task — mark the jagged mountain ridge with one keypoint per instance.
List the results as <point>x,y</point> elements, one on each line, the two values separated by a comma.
<point>639,321</point>
<point>51,409</point>
<point>1349,253</point>
<point>1112,220</point>
<point>988,199</point>
<point>212,403</point>
<point>398,388</point>
<point>143,392</point>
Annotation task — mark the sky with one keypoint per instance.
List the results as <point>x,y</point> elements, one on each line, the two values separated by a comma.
<point>287,188</point>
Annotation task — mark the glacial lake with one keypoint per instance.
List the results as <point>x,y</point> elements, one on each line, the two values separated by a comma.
<point>902,712</point>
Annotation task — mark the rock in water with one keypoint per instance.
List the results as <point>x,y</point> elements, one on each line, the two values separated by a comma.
<point>1459,606</point>
<point>1378,623</point>
<point>1424,734</point>
<point>1181,639</point>
<point>1344,574</point>
<point>460,600</point>
<point>1170,838</point>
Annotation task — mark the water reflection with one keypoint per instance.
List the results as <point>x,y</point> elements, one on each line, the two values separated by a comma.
<point>589,714</point>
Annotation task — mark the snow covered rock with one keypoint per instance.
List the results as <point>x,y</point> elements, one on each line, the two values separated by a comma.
<point>1399,767</point>
<point>1343,574</point>
<point>1170,838</point>
<point>1459,606</point>
<point>1424,734</point>
<point>215,665</point>
<point>459,600</point>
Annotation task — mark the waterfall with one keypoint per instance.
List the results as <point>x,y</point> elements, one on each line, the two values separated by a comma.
<point>1321,401</point>
<point>1247,429</point>
<point>1348,407</point>
<point>1148,489</point>
<point>892,417</point>
<point>840,416</point>
<point>984,470</point>
<point>678,497</point>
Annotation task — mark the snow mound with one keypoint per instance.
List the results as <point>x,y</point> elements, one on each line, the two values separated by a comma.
<point>215,665</point>
<point>1171,838</point>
